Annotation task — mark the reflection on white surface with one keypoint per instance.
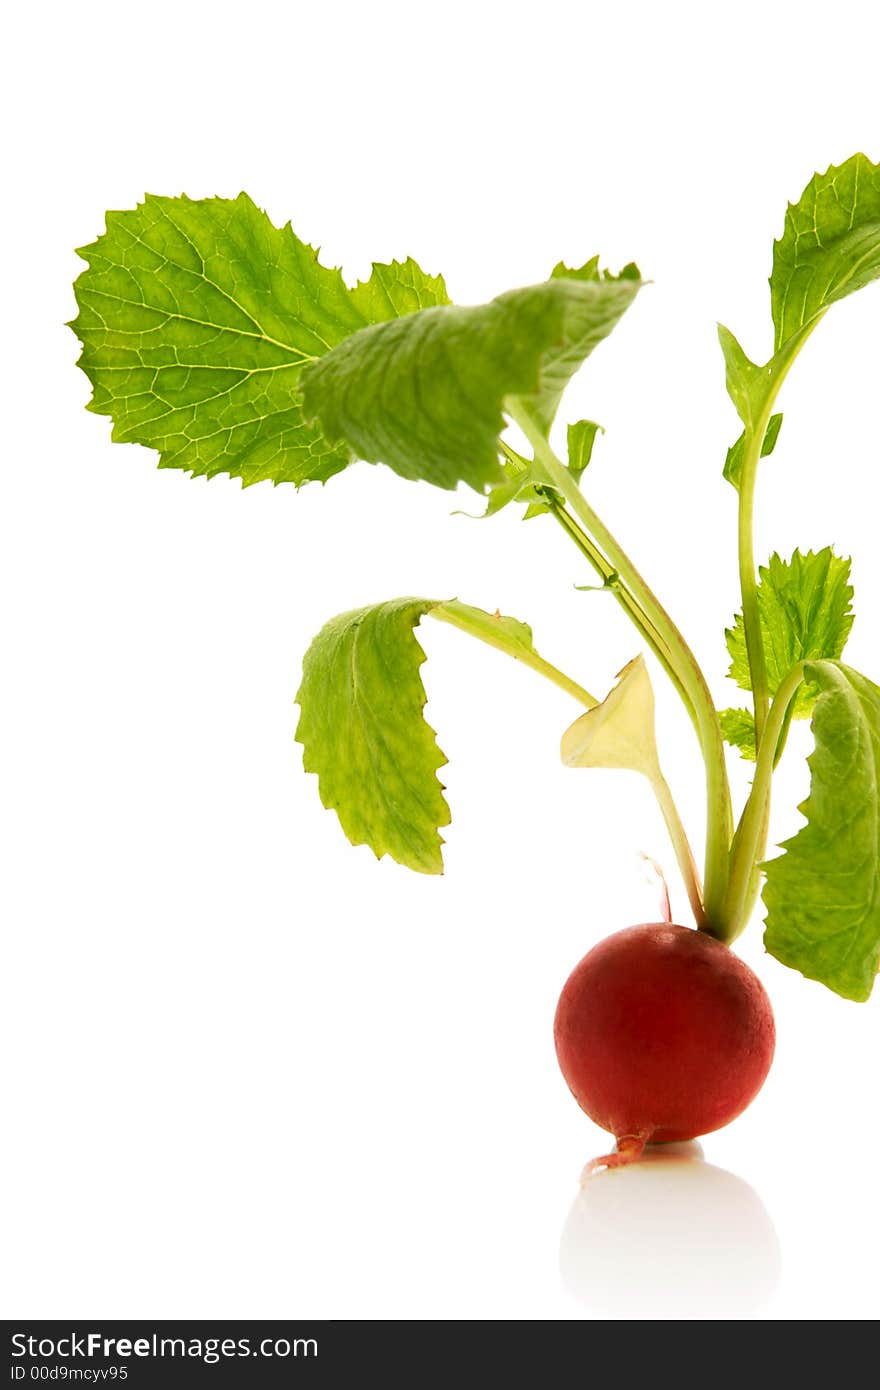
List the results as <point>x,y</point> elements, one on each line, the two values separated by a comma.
<point>669,1237</point>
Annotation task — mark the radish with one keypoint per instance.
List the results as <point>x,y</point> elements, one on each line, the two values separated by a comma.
<point>662,1034</point>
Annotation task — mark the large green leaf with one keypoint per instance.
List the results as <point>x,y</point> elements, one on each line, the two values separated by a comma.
<point>829,248</point>
<point>425,394</point>
<point>823,893</point>
<point>805,610</point>
<point>196,319</point>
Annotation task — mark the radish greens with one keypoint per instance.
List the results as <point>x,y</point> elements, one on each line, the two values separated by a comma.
<point>222,342</point>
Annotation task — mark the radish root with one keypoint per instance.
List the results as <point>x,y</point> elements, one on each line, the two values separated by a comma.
<point>630,1148</point>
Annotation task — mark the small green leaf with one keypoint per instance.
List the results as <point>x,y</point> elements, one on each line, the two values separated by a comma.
<point>196,319</point>
<point>823,893</point>
<point>608,585</point>
<point>747,383</point>
<point>425,394</point>
<point>738,728</point>
<point>536,495</point>
<point>619,732</point>
<point>829,248</point>
<point>364,733</point>
<point>509,491</point>
<point>805,610</point>
<point>734,460</point>
<point>581,438</point>
<point>518,486</point>
<point>517,464</point>
<point>534,509</point>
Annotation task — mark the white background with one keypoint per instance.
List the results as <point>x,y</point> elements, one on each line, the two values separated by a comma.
<point>249,1071</point>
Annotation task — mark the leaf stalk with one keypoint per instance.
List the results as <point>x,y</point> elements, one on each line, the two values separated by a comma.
<point>688,677</point>
<point>530,658</point>
<point>750,839</point>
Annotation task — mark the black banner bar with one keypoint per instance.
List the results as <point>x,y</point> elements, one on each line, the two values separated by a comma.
<point>139,1354</point>
<point>129,1355</point>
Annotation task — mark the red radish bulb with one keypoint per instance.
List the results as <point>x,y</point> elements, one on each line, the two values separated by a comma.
<point>662,1034</point>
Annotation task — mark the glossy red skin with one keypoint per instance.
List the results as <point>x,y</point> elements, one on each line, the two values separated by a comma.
<point>662,1032</point>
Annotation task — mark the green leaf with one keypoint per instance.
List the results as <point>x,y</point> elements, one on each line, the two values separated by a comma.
<point>363,729</point>
<point>425,394</point>
<point>581,438</point>
<point>518,486</point>
<point>747,384</point>
<point>503,493</point>
<point>519,482</point>
<point>196,319</point>
<point>590,313</point>
<point>364,733</point>
<point>830,246</point>
<point>823,893</point>
<point>805,610</point>
<point>738,728</point>
<point>536,508</point>
<point>608,585</point>
<point>733,462</point>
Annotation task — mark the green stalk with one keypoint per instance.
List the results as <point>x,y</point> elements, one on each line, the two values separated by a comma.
<point>772,721</point>
<point>719,812</point>
<point>750,838</point>
<point>772,376</point>
<point>754,889</point>
<point>755,882</point>
<point>748,574</point>
<point>465,621</point>
<point>484,627</point>
<point>681,845</point>
<point>607,573</point>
